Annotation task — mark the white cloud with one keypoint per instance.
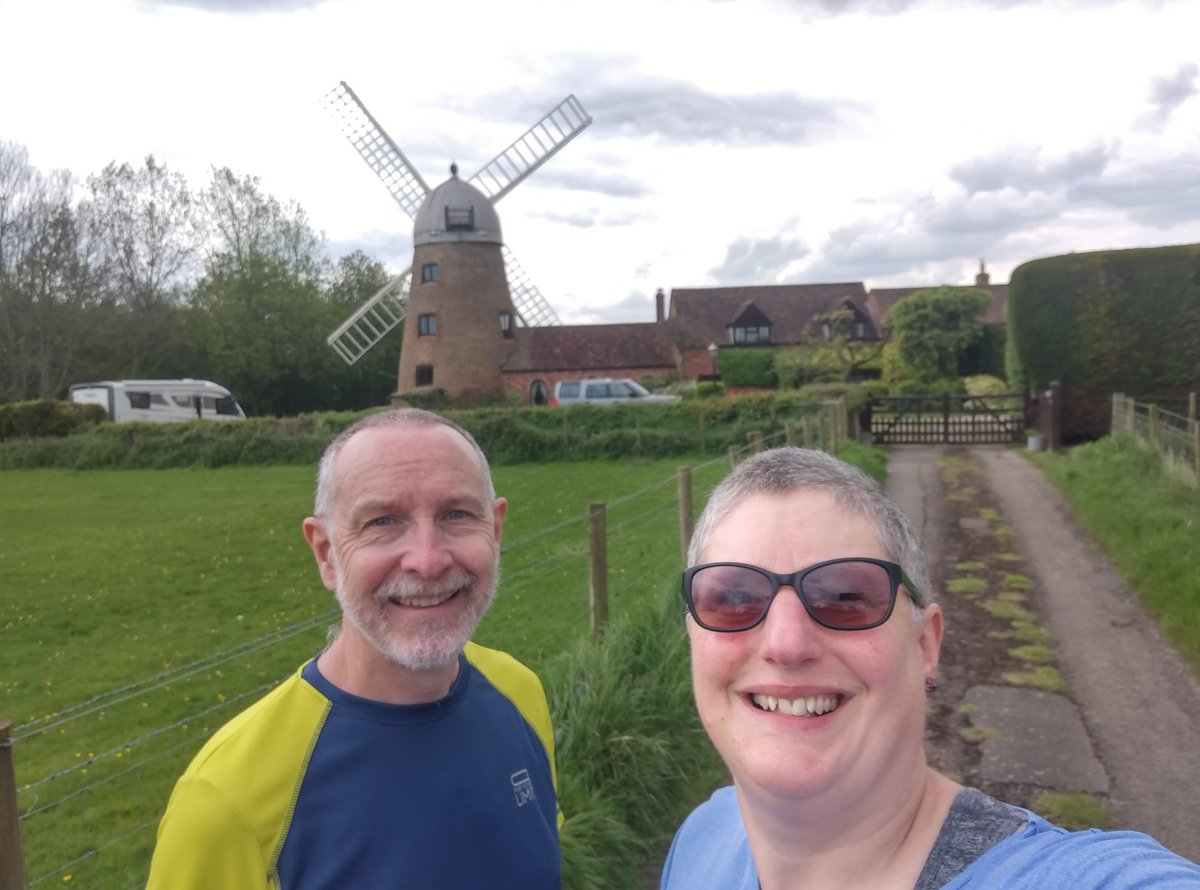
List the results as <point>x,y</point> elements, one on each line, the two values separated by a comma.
<point>879,140</point>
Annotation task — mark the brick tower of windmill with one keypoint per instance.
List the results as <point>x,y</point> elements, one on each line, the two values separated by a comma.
<point>460,316</point>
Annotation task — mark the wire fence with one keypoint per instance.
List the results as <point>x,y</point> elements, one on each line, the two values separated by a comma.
<point>1175,434</point>
<point>109,761</point>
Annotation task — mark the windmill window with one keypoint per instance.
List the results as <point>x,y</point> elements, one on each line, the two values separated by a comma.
<point>506,323</point>
<point>429,273</point>
<point>460,218</point>
<point>426,325</point>
<point>424,375</point>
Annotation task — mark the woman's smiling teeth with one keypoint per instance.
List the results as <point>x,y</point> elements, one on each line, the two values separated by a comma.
<point>808,706</point>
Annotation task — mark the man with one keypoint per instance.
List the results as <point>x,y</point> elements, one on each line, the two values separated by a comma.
<point>403,755</point>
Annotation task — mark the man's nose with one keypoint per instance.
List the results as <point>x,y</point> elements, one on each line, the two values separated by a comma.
<point>425,550</point>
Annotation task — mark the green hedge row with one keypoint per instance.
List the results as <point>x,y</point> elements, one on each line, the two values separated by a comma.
<point>1109,321</point>
<point>507,434</point>
<point>47,417</point>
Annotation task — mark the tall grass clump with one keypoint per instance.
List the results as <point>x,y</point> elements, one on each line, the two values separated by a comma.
<point>1147,522</point>
<point>633,757</point>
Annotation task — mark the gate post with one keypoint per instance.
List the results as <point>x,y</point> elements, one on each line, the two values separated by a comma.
<point>12,869</point>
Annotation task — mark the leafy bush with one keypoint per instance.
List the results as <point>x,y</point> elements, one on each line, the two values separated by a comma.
<point>708,389</point>
<point>749,366</point>
<point>46,417</point>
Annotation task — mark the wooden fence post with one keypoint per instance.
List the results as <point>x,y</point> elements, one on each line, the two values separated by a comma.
<point>755,440</point>
<point>1196,448</point>
<point>733,456</point>
<point>1152,425</point>
<point>598,566</point>
<point>789,432</point>
<point>808,435</point>
<point>12,868</point>
<point>684,483</point>
<point>1114,424</point>
<point>703,438</point>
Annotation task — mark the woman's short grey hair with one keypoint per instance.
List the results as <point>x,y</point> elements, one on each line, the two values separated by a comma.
<point>784,470</point>
<point>326,493</point>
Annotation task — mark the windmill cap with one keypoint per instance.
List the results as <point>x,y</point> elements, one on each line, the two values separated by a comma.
<point>456,211</point>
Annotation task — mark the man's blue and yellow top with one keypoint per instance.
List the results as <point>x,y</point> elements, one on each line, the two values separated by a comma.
<point>314,788</point>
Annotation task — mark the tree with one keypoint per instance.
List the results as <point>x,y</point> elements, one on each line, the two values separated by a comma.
<point>50,294</point>
<point>933,329</point>
<point>258,316</point>
<point>146,223</point>
<point>833,350</point>
<point>372,379</point>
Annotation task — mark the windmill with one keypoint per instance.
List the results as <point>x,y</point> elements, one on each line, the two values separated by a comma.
<point>386,309</point>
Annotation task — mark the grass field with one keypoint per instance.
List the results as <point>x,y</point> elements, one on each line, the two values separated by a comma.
<point>139,610</point>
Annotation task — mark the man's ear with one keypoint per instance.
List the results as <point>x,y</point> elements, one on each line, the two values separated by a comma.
<point>322,548</point>
<point>498,514</point>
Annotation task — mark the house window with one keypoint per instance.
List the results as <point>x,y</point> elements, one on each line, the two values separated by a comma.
<point>426,325</point>
<point>424,375</point>
<point>749,334</point>
<point>506,323</point>
<point>859,331</point>
<point>429,273</point>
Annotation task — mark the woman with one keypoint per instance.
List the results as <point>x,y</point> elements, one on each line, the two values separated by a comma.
<point>814,641</point>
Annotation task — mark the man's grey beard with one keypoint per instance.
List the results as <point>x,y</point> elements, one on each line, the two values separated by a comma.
<point>431,643</point>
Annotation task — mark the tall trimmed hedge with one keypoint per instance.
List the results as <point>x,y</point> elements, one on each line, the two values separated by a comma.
<point>1103,322</point>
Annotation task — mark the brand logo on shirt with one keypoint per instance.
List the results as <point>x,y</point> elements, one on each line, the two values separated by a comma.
<point>522,787</point>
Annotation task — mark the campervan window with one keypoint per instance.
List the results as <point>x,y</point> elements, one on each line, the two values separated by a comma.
<point>226,406</point>
<point>139,399</point>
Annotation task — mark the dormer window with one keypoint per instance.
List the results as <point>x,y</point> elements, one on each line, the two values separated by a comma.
<point>749,333</point>
<point>749,326</point>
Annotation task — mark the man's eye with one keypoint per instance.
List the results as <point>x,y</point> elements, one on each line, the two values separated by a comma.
<point>456,514</point>
<point>380,522</point>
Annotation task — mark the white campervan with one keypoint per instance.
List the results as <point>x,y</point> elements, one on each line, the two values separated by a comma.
<point>159,401</point>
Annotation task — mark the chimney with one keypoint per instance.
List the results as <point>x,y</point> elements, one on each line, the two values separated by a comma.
<point>982,279</point>
<point>658,305</point>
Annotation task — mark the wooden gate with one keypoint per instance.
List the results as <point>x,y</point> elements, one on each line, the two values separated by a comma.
<point>947,419</point>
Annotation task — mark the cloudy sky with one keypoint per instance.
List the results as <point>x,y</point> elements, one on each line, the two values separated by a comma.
<point>894,142</point>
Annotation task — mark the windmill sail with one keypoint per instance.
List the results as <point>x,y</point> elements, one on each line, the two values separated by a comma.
<point>377,148</point>
<point>533,310</point>
<point>372,321</point>
<point>562,123</point>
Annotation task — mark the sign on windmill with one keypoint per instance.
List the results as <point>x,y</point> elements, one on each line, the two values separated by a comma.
<point>386,309</point>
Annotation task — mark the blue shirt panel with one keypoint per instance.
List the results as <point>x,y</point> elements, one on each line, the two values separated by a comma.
<point>457,793</point>
<point>711,850</point>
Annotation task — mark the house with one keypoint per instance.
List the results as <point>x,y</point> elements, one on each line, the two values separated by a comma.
<point>700,322</point>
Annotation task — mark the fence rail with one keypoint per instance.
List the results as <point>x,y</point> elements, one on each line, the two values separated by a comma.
<point>1174,435</point>
<point>76,778</point>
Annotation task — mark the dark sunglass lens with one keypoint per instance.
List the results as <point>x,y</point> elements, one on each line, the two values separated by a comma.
<point>848,594</point>
<point>728,597</point>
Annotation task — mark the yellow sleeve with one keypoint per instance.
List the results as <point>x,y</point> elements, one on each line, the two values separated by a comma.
<point>203,844</point>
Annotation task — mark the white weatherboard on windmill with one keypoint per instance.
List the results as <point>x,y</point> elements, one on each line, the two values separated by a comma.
<point>386,309</point>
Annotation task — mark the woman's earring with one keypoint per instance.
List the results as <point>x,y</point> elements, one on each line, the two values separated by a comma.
<point>930,686</point>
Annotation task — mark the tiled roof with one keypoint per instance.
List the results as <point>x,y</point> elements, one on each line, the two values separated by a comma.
<point>699,315</point>
<point>583,347</point>
<point>882,299</point>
